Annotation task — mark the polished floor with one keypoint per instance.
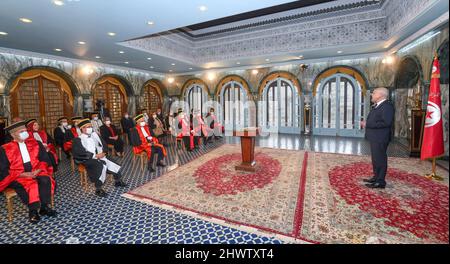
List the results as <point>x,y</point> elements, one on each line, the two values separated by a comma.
<point>116,219</point>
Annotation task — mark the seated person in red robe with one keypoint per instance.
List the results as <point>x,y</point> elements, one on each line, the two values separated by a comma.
<point>25,167</point>
<point>111,136</point>
<point>141,140</point>
<point>214,124</point>
<point>90,150</point>
<point>59,133</point>
<point>184,131</point>
<point>45,139</point>
<point>200,128</point>
<point>71,133</point>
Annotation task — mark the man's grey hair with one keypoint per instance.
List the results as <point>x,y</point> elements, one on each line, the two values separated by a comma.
<point>384,91</point>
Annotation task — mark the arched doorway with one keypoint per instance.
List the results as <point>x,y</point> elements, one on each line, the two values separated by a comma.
<point>196,94</point>
<point>112,92</point>
<point>233,94</point>
<point>339,103</point>
<point>152,96</point>
<point>408,87</point>
<point>41,94</point>
<point>281,110</point>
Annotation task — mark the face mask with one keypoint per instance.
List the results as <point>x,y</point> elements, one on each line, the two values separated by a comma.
<point>89,130</point>
<point>69,126</point>
<point>126,116</point>
<point>154,116</point>
<point>95,118</point>
<point>142,124</point>
<point>24,135</point>
<point>108,122</point>
<point>181,116</point>
<point>64,124</point>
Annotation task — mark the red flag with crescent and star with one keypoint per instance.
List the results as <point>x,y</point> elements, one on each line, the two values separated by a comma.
<point>433,136</point>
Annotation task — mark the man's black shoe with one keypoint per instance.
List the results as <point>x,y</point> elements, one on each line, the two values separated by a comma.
<point>120,183</point>
<point>47,211</point>
<point>161,164</point>
<point>34,217</point>
<point>100,192</point>
<point>375,185</point>
<point>371,180</point>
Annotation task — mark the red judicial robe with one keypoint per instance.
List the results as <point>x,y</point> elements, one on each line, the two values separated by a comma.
<point>70,134</point>
<point>45,139</point>
<point>185,132</point>
<point>11,166</point>
<point>146,144</point>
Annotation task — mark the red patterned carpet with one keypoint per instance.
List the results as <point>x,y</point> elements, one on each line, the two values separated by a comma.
<point>265,202</point>
<point>340,209</point>
<point>307,197</point>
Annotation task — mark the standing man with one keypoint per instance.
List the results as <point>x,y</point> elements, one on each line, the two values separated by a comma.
<point>378,132</point>
<point>96,122</point>
<point>127,124</point>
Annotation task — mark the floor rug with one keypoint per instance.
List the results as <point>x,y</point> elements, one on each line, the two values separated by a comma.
<point>268,201</point>
<point>338,208</point>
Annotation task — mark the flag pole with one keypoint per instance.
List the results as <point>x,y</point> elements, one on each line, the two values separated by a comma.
<point>433,174</point>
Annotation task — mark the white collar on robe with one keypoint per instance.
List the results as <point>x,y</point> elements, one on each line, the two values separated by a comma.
<point>144,132</point>
<point>90,143</point>
<point>37,136</point>
<point>24,152</point>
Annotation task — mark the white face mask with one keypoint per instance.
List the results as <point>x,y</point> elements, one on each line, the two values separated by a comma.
<point>181,116</point>
<point>108,122</point>
<point>24,135</point>
<point>64,124</point>
<point>89,130</point>
<point>69,126</point>
<point>142,124</point>
<point>126,116</point>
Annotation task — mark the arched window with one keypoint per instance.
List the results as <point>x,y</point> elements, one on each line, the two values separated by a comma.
<point>152,98</point>
<point>282,106</point>
<point>233,98</point>
<point>196,96</point>
<point>339,106</point>
<point>42,95</point>
<point>112,92</point>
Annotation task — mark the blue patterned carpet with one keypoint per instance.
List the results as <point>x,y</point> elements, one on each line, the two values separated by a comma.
<point>116,219</point>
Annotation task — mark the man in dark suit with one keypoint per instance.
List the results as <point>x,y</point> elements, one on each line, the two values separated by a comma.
<point>378,127</point>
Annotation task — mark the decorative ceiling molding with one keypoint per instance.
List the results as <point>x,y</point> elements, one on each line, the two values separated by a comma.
<point>354,22</point>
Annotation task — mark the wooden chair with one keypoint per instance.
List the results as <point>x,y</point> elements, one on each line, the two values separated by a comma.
<point>112,150</point>
<point>180,141</point>
<point>142,159</point>
<point>59,152</point>
<point>9,195</point>
<point>72,164</point>
<point>84,178</point>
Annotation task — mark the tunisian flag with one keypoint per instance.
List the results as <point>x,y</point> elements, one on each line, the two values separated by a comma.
<point>433,138</point>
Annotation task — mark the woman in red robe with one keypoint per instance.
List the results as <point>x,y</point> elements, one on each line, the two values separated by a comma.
<point>142,140</point>
<point>45,139</point>
<point>185,132</point>
<point>25,167</point>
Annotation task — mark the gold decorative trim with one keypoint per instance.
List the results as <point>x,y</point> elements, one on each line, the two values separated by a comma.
<point>233,78</point>
<point>113,81</point>
<point>34,73</point>
<point>193,81</point>
<point>344,70</point>
<point>282,74</point>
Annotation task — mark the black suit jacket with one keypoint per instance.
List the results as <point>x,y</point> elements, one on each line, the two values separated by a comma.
<point>379,123</point>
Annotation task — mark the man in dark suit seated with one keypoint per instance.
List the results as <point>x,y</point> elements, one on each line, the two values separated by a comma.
<point>110,135</point>
<point>378,127</point>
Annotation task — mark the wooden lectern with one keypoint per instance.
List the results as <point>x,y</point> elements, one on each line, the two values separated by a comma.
<point>247,136</point>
